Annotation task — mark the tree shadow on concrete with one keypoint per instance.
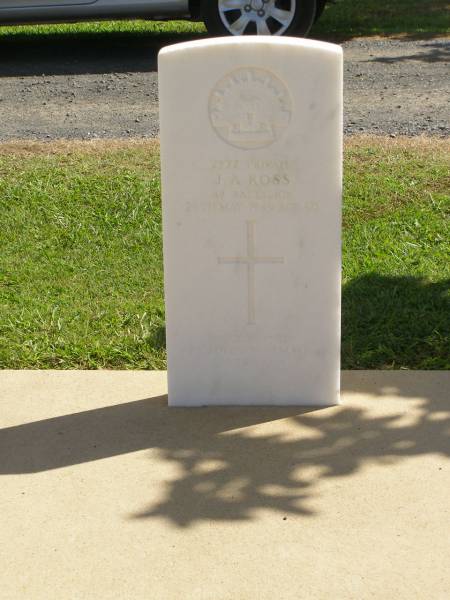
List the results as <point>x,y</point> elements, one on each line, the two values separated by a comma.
<point>228,471</point>
<point>241,473</point>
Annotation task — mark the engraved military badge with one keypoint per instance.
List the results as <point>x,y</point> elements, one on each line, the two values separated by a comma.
<point>250,108</point>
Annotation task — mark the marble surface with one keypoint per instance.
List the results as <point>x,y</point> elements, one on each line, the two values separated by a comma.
<point>251,183</point>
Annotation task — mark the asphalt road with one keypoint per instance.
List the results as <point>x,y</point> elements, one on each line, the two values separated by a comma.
<point>107,87</point>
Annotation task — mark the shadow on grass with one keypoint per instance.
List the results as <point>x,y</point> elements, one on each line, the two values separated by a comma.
<point>228,473</point>
<point>403,20</point>
<point>340,37</point>
<point>387,323</point>
<point>393,322</point>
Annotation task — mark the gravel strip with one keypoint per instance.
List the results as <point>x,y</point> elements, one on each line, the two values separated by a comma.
<point>110,90</point>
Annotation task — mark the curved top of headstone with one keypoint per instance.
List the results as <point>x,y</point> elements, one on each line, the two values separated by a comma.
<point>263,40</point>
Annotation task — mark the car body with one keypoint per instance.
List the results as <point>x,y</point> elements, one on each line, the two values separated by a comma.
<point>47,11</point>
<point>222,17</point>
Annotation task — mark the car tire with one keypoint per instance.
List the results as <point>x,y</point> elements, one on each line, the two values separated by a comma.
<point>259,17</point>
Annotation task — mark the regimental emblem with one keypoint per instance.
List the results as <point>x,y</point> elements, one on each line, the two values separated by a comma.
<point>250,108</point>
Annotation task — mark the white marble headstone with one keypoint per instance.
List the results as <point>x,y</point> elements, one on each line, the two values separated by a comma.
<point>251,181</point>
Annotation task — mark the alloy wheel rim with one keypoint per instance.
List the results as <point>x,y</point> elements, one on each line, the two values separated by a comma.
<point>256,17</point>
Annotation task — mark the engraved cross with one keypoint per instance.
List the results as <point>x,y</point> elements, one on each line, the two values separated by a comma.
<point>250,260</point>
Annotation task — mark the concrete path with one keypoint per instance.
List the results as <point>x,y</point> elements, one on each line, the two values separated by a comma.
<point>107,494</point>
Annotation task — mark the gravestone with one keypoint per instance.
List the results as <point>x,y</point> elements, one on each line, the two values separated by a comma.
<point>251,191</point>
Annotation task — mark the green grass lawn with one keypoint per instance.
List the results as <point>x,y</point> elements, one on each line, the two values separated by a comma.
<point>344,20</point>
<point>81,265</point>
